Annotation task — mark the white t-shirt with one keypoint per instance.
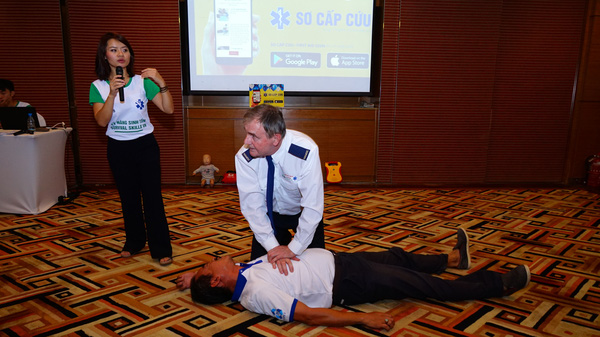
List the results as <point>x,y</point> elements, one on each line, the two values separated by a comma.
<point>130,119</point>
<point>264,290</point>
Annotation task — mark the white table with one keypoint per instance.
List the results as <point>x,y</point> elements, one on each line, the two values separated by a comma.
<point>32,170</point>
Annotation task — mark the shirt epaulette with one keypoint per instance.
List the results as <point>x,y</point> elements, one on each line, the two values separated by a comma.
<point>247,156</point>
<point>299,151</point>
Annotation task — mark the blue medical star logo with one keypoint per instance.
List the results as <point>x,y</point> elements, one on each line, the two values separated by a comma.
<point>280,18</point>
<point>278,313</point>
<point>139,104</point>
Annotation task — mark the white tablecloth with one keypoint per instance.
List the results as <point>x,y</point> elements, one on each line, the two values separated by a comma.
<point>32,170</point>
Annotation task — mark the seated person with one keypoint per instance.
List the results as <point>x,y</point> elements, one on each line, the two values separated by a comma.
<point>7,94</point>
<point>320,279</point>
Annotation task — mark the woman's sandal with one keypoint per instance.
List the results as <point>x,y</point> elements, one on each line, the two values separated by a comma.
<point>165,261</point>
<point>126,253</point>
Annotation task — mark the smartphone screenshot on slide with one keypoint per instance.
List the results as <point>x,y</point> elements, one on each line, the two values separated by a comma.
<point>233,31</point>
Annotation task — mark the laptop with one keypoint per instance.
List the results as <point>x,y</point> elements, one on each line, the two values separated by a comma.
<point>13,118</point>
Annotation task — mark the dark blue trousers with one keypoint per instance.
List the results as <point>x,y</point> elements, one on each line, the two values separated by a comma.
<point>135,165</point>
<point>283,225</point>
<point>366,277</point>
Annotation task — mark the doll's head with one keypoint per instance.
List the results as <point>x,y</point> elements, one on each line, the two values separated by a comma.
<point>206,159</point>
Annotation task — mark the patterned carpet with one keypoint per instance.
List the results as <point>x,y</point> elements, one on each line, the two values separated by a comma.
<point>62,275</point>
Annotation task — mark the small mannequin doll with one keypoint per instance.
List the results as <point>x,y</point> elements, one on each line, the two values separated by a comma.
<point>208,171</point>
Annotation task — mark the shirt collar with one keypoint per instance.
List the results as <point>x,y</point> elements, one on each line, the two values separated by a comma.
<point>283,149</point>
<point>241,281</point>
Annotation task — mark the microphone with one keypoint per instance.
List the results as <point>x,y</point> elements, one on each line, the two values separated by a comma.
<point>119,71</point>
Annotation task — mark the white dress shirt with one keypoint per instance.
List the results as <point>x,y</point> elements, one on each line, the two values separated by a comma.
<point>298,187</point>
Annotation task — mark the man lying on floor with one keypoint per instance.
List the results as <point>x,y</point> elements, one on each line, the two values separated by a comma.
<point>320,279</point>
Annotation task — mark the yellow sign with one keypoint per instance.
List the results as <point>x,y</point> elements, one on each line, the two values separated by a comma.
<point>266,94</point>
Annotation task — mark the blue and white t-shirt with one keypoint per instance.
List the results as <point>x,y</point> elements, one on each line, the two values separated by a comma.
<point>264,290</point>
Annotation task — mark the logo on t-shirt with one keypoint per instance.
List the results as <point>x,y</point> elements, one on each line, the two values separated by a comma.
<point>139,104</point>
<point>277,313</point>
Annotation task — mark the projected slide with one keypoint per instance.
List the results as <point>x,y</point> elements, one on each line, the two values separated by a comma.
<point>309,46</point>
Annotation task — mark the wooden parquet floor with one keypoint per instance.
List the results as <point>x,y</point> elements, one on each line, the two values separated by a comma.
<point>62,275</point>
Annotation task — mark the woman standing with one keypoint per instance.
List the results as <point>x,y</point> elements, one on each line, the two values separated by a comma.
<point>119,99</point>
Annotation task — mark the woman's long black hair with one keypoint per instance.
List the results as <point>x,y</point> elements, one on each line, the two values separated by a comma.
<point>102,66</point>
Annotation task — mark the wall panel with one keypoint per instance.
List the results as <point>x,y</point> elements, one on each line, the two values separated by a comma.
<point>585,128</point>
<point>445,84</point>
<point>482,92</point>
<point>538,56</point>
<point>32,56</point>
<point>389,86</point>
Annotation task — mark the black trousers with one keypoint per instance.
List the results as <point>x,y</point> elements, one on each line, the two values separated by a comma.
<point>283,225</point>
<point>135,165</point>
<point>366,277</point>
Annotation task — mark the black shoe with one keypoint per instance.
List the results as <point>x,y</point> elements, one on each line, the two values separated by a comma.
<point>462,245</point>
<point>516,279</point>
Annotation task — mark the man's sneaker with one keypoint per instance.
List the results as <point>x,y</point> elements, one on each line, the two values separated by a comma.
<point>516,279</point>
<point>462,244</point>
